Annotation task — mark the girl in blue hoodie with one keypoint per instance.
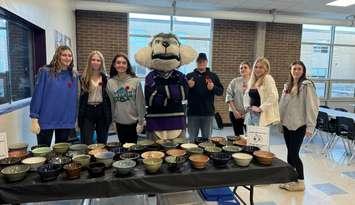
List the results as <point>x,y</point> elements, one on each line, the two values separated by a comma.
<point>54,101</point>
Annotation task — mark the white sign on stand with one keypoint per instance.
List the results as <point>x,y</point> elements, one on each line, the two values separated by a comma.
<point>3,145</point>
<point>258,137</point>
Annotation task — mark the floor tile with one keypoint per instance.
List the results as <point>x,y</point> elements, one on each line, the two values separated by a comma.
<point>329,189</point>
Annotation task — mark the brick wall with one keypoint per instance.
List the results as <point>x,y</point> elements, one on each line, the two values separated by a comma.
<point>234,41</point>
<point>282,46</point>
<point>103,31</point>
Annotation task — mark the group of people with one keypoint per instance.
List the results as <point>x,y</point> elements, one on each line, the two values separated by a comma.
<point>93,100</point>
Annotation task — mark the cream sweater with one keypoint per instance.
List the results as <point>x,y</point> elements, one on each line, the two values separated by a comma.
<point>269,98</point>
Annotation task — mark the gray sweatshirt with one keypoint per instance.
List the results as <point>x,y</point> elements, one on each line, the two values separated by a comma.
<point>235,93</point>
<point>127,100</point>
<point>302,109</point>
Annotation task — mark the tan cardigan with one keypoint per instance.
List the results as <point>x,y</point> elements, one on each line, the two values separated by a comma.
<point>269,98</point>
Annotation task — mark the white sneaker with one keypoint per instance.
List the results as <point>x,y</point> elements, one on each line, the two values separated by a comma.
<point>294,186</point>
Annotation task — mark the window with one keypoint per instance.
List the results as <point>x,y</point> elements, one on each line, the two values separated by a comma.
<point>328,52</point>
<point>195,32</point>
<point>18,58</point>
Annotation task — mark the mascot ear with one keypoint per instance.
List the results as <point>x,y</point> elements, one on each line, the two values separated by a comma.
<point>187,54</point>
<point>144,57</point>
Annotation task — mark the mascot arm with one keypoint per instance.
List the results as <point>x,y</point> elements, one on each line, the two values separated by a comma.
<point>177,91</point>
<point>155,96</point>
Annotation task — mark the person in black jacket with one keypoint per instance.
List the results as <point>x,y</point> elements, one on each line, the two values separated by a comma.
<point>94,103</point>
<point>203,86</point>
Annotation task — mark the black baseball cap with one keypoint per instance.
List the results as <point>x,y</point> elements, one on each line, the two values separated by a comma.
<point>201,57</point>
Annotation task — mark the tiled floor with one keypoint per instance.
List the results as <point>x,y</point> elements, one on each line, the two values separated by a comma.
<point>329,179</point>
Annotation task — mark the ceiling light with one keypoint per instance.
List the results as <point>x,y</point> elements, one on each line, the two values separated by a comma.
<point>342,3</point>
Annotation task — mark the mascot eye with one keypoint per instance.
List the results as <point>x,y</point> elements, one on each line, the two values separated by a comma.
<point>157,41</point>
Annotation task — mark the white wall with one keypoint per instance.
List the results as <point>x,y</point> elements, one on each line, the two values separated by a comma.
<point>50,16</point>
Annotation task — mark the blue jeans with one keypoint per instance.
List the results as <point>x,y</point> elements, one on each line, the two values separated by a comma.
<point>252,118</point>
<point>195,123</point>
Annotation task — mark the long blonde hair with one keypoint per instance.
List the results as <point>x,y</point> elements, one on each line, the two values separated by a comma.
<point>87,74</point>
<point>254,81</point>
<point>55,64</point>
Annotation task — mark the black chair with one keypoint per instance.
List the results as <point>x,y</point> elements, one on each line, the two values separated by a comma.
<point>341,109</point>
<point>327,126</point>
<point>324,106</point>
<point>345,131</point>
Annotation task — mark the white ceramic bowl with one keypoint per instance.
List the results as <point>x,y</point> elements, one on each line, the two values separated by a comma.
<point>188,146</point>
<point>34,162</point>
<point>105,157</point>
<point>242,159</point>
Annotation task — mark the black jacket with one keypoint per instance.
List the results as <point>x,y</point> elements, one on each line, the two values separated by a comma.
<point>201,100</point>
<point>83,104</point>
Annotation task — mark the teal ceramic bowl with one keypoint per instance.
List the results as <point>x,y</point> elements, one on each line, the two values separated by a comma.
<point>41,151</point>
<point>124,167</point>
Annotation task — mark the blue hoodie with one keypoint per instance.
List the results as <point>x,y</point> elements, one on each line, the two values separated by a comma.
<point>54,101</point>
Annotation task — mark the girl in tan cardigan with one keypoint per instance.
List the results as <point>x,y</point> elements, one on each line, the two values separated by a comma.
<point>261,97</point>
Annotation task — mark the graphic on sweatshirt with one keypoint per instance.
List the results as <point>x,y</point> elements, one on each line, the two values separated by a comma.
<point>123,94</point>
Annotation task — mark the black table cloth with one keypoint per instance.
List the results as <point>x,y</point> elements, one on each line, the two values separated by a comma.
<point>31,189</point>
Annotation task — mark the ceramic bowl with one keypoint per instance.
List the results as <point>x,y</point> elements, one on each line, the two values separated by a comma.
<point>250,149</point>
<point>145,142</point>
<point>137,148</point>
<point>18,146</point>
<point>15,172</point>
<point>206,144</point>
<point>38,146</point>
<point>130,155</point>
<point>61,148</point>
<point>152,165</point>
<point>20,153</point>
<point>96,151</point>
<point>232,138</point>
<point>231,149</point>
<point>96,169</point>
<point>124,167</point>
<point>180,140</point>
<point>175,163</point>
<point>195,150</point>
<point>118,151</point>
<point>34,162</point>
<point>153,154</point>
<point>176,152</point>
<point>220,159</point>
<point>60,160</point>
<point>8,161</point>
<point>154,147</point>
<point>199,140</point>
<point>49,172</point>
<point>242,159</point>
<point>217,139</point>
<point>96,146</point>
<point>210,150</point>
<point>128,145</point>
<point>72,170</point>
<point>79,148</point>
<point>240,142</point>
<point>105,157</point>
<point>264,157</point>
<point>188,146</point>
<point>169,145</point>
<point>199,161</point>
<point>82,159</point>
<point>41,151</point>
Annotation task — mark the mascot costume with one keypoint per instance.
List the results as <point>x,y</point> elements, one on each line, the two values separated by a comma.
<point>165,86</point>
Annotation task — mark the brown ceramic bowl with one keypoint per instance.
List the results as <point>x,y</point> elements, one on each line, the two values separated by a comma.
<point>176,152</point>
<point>264,157</point>
<point>96,151</point>
<point>199,161</point>
<point>18,153</point>
<point>72,170</point>
<point>153,154</point>
<point>217,139</point>
<point>240,142</point>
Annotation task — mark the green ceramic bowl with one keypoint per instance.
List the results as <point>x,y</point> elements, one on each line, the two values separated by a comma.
<point>61,148</point>
<point>124,167</point>
<point>232,149</point>
<point>15,173</point>
<point>152,165</point>
<point>41,151</point>
<point>82,159</point>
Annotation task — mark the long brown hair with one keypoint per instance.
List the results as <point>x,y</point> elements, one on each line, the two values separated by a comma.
<point>113,71</point>
<point>291,80</point>
<point>55,64</point>
<point>87,74</point>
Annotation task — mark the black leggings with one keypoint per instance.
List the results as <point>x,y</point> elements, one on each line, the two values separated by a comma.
<point>294,139</point>
<point>127,133</point>
<point>238,124</point>
<point>94,120</point>
<point>45,136</point>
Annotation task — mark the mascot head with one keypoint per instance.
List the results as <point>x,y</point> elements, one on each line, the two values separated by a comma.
<point>165,53</point>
